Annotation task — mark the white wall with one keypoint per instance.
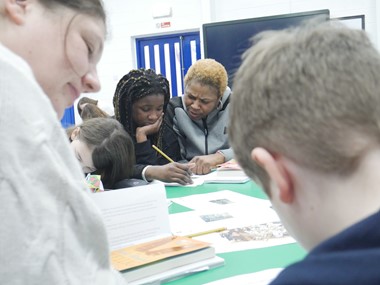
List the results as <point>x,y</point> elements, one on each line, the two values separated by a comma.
<point>129,19</point>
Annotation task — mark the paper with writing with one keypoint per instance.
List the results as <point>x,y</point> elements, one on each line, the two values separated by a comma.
<point>129,221</point>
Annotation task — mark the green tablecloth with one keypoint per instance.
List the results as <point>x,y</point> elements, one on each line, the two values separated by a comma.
<point>239,262</point>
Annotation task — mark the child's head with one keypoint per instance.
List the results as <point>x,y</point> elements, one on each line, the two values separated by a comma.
<point>140,98</point>
<point>101,145</point>
<point>90,111</point>
<point>310,94</point>
<point>84,101</point>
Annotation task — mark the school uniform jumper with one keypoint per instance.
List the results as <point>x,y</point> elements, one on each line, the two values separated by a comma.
<point>351,257</point>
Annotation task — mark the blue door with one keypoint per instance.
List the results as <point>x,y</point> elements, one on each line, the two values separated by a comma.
<point>170,55</point>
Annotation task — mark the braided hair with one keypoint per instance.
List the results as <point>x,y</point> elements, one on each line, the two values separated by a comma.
<point>137,84</point>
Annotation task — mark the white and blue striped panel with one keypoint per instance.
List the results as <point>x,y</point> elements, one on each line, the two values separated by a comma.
<point>170,55</point>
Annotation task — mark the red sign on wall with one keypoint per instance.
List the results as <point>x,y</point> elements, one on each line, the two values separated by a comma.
<point>165,24</point>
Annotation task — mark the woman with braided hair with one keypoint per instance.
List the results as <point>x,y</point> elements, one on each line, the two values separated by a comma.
<point>140,101</point>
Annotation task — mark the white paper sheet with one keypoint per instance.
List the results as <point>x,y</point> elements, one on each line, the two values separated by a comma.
<point>258,278</point>
<point>180,272</point>
<point>134,214</point>
<point>197,180</point>
<point>250,222</point>
<point>226,176</point>
<point>220,199</point>
<point>222,176</point>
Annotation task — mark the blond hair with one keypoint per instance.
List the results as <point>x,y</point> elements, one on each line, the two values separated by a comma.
<point>208,72</point>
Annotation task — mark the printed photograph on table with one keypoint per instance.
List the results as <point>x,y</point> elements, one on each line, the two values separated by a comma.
<point>260,232</point>
<point>216,217</point>
<point>250,222</point>
<point>221,201</point>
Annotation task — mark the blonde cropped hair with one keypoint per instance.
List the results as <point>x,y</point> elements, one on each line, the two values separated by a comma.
<point>208,72</point>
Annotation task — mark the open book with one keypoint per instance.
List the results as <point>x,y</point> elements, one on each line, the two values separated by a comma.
<point>142,246</point>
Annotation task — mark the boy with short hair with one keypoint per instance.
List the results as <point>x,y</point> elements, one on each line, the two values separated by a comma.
<point>305,124</point>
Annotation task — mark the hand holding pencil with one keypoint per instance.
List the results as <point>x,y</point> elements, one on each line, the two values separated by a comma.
<point>171,172</point>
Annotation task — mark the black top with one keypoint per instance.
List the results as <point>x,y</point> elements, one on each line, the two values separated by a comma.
<point>146,155</point>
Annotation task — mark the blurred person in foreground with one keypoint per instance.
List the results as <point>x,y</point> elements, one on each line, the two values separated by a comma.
<point>51,231</point>
<point>305,124</point>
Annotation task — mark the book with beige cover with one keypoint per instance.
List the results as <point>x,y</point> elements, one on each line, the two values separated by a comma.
<point>151,251</point>
<point>141,243</point>
<point>157,256</point>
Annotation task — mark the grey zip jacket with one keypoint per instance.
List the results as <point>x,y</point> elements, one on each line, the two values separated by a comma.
<point>204,136</point>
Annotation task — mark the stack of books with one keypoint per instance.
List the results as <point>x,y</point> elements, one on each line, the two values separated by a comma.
<point>142,247</point>
<point>228,172</point>
<point>164,259</point>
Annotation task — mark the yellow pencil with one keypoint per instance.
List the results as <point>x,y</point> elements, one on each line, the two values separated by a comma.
<point>206,232</point>
<point>162,153</point>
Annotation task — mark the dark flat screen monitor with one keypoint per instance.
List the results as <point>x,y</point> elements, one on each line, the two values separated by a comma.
<point>226,41</point>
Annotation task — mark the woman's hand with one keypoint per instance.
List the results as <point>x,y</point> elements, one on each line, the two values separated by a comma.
<point>143,132</point>
<point>205,163</point>
<point>171,172</point>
